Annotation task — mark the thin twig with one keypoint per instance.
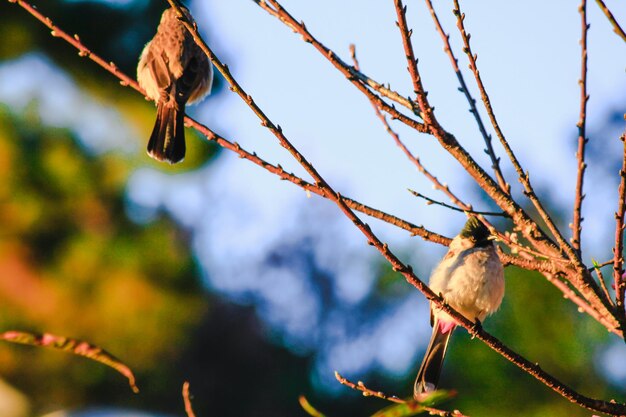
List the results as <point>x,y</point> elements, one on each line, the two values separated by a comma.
<point>412,404</point>
<point>495,161</point>
<point>524,178</point>
<point>414,160</point>
<point>359,386</point>
<point>616,27</point>
<point>345,68</point>
<point>448,206</point>
<point>515,246</point>
<point>598,269</point>
<point>582,139</point>
<point>187,400</point>
<point>349,72</point>
<point>618,259</point>
<point>426,111</point>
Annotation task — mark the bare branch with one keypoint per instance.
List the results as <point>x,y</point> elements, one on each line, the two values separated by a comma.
<point>582,279</point>
<point>442,204</point>
<point>582,122</point>
<point>187,400</point>
<point>414,230</point>
<point>412,404</point>
<point>506,259</point>
<point>415,160</point>
<point>524,178</point>
<point>495,161</point>
<point>616,27</point>
<point>598,269</point>
<point>426,111</point>
<point>359,386</point>
<point>618,250</point>
<point>534,234</point>
<point>281,14</point>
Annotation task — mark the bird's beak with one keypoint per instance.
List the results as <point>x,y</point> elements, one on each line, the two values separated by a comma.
<point>492,237</point>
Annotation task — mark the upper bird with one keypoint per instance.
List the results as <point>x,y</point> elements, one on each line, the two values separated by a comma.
<point>173,71</point>
<point>470,278</point>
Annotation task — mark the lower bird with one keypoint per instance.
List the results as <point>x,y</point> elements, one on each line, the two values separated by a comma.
<point>173,71</point>
<point>470,278</point>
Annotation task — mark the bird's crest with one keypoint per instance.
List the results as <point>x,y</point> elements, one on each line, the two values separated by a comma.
<point>474,229</point>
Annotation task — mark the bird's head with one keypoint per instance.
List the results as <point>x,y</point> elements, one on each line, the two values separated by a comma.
<point>170,14</point>
<point>476,232</point>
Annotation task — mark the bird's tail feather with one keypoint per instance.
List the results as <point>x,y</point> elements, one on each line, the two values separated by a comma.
<point>428,376</point>
<point>167,142</point>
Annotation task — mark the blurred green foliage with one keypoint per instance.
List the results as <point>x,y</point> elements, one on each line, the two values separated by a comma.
<point>73,264</point>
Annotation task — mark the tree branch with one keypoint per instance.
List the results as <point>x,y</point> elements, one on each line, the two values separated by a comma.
<point>582,122</point>
<point>581,277</point>
<point>446,189</point>
<point>448,206</point>
<point>427,113</point>
<point>349,72</point>
<point>359,386</point>
<point>495,161</point>
<point>598,269</point>
<point>616,27</point>
<point>187,400</point>
<point>618,250</point>
<point>524,177</point>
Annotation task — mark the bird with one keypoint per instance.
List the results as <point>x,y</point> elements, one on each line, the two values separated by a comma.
<point>470,278</point>
<point>173,71</point>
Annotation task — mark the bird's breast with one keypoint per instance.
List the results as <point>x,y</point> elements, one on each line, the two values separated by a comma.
<point>472,282</point>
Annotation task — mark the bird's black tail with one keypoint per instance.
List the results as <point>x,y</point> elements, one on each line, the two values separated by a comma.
<point>428,376</point>
<point>167,142</point>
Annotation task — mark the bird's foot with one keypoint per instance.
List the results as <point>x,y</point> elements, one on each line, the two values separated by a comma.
<point>477,327</point>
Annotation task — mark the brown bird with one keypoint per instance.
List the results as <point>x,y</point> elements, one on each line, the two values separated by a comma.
<point>173,71</point>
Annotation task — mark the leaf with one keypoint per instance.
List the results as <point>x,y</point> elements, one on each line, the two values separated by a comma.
<point>77,347</point>
<point>306,406</point>
<point>411,408</point>
<point>437,396</point>
<point>400,410</point>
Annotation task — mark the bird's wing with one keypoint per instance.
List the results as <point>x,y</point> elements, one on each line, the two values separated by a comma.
<point>160,70</point>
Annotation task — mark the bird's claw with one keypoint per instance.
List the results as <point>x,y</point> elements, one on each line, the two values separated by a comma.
<point>477,327</point>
